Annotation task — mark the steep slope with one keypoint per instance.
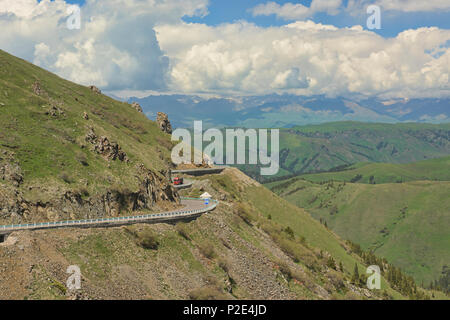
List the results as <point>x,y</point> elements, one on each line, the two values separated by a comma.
<point>67,151</point>
<point>241,250</point>
<point>407,223</point>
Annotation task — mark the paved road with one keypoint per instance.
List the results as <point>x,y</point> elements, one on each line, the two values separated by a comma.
<point>200,171</point>
<point>187,184</point>
<point>192,207</point>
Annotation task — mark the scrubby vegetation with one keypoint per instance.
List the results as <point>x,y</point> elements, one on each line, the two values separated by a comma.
<point>146,238</point>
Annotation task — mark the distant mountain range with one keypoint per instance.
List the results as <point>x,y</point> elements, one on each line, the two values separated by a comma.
<point>289,110</point>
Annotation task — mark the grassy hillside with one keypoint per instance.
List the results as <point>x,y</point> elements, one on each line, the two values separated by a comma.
<point>45,147</point>
<point>407,223</point>
<point>315,148</point>
<point>374,173</point>
<point>242,250</point>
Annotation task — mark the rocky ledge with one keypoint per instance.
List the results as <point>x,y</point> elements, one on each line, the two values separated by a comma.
<point>163,122</point>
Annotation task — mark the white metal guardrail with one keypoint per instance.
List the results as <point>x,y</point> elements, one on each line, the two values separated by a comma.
<point>112,220</point>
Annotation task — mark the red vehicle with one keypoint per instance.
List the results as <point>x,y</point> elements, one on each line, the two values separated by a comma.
<point>178,181</point>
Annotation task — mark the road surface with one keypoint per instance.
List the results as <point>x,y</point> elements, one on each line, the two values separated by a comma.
<point>200,171</point>
<point>186,184</point>
<point>193,207</point>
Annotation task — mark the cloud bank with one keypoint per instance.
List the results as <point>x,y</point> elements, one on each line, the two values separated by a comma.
<point>294,11</point>
<point>115,48</point>
<point>306,58</point>
<point>144,45</point>
<point>298,11</point>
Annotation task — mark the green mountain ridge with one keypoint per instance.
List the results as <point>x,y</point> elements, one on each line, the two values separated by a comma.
<point>407,223</point>
<point>319,148</point>
<point>433,169</point>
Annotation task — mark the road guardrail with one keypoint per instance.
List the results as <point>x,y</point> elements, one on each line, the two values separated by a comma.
<point>113,220</point>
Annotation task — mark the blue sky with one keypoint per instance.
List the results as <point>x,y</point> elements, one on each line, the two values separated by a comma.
<point>229,11</point>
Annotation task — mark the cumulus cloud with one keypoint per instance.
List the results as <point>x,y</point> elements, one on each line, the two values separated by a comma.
<point>294,11</point>
<point>306,58</point>
<point>115,48</point>
<point>143,45</point>
<point>290,79</point>
<point>298,11</point>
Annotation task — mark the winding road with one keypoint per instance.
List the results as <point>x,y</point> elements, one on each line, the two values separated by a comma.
<point>201,171</point>
<point>193,207</point>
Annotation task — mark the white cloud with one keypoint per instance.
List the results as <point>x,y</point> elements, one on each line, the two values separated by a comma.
<point>295,11</point>
<point>20,8</point>
<point>306,58</point>
<point>115,48</point>
<point>143,45</point>
<point>356,7</point>
<point>290,79</point>
<point>298,11</point>
<point>413,5</point>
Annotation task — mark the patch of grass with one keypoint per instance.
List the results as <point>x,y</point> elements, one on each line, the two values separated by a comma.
<point>206,248</point>
<point>244,213</point>
<point>66,177</point>
<point>145,238</point>
<point>207,293</point>
<point>183,231</point>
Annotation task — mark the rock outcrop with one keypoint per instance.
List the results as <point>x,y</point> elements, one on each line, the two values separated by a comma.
<point>163,121</point>
<point>102,145</point>
<point>95,89</point>
<point>55,111</point>
<point>153,190</point>
<point>10,171</point>
<point>137,106</point>
<point>37,88</point>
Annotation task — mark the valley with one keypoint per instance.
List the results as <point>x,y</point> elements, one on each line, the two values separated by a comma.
<point>400,212</point>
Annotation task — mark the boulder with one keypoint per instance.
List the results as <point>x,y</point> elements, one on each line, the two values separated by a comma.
<point>137,106</point>
<point>102,145</point>
<point>37,88</point>
<point>95,89</point>
<point>55,111</point>
<point>164,124</point>
<point>12,173</point>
